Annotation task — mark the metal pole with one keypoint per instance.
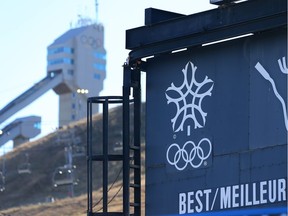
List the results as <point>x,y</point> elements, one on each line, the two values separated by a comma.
<point>137,139</point>
<point>126,139</point>
<point>105,156</point>
<point>89,157</point>
<point>70,165</point>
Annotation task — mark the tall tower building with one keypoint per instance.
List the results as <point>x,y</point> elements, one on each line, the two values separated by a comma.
<point>80,56</point>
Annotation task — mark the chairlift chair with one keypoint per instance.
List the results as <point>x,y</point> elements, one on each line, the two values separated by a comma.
<point>64,176</point>
<point>24,168</point>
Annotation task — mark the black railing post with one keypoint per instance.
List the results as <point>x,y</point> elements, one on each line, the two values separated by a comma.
<point>89,159</point>
<point>137,139</point>
<point>131,155</point>
<point>126,138</point>
<point>105,155</point>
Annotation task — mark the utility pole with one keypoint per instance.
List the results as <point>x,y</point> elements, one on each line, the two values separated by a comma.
<point>69,164</point>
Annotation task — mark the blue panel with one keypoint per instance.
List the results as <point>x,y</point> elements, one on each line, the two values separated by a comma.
<point>266,110</point>
<point>281,211</point>
<point>215,129</point>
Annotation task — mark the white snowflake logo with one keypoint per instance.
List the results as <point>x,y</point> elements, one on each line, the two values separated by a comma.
<point>188,99</point>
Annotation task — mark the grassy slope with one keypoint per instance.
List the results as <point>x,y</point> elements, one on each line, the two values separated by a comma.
<point>70,206</point>
<point>45,155</point>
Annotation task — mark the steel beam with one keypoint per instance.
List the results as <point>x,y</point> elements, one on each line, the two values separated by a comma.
<point>197,29</point>
<point>153,16</point>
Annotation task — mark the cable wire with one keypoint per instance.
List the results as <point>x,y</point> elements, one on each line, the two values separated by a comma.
<point>116,179</point>
<point>112,197</point>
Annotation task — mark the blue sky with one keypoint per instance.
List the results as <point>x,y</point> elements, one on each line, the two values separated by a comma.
<point>28,27</point>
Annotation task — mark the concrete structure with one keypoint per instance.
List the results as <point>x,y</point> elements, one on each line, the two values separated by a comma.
<point>79,55</point>
<point>21,130</point>
<point>76,70</point>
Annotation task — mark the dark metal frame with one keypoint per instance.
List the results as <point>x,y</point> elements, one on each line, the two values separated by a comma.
<point>163,33</point>
<point>105,157</point>
<point>131,80</point>
<point>178,31</point>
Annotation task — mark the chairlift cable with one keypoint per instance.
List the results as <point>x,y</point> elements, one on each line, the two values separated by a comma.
<point>116,179</point>
<point>112,197</point>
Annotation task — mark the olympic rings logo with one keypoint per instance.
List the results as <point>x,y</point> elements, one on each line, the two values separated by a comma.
<point>190,153</point>
<point>94,43</point>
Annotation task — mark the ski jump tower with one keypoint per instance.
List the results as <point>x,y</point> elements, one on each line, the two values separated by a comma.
<point>79,56</point>
<point>76,69</point>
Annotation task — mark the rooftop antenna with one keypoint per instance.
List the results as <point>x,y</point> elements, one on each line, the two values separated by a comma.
<point>96,10</point>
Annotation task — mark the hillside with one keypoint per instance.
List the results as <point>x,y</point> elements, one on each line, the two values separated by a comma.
<point>70,206</point>
<point>45,156</point>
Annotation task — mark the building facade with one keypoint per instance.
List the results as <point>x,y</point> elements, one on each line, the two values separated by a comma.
<point>80,56</point>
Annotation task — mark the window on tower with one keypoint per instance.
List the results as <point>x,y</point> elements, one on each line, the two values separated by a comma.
<point>99,55</point>
<point>56,50</point>
<point>100,66</point>
<point>60,61</point>
<point>97,76</point>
